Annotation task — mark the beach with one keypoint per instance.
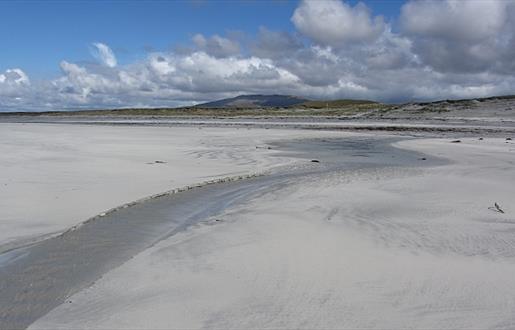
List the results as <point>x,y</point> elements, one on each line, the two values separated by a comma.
<point>56,176</point>
<point>300,164</point>
<point>273,228</point>
<point>374,248</point>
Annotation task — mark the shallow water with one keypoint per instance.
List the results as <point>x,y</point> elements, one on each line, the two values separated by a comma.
<point>356,152</point>
<point>37,278</point>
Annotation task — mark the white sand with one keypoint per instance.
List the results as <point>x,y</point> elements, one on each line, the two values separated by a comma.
<point>55,176</point>
<point>390,248</point>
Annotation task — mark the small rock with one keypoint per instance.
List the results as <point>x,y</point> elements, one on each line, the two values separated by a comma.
<point>480,139</point>
<point>456,141</point>
<point>423,158</point>
<point>508,139</point>
<point>315,161</point>
<point>159,162</point>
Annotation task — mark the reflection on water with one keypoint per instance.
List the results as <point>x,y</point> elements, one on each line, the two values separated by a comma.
<point>355,152</point>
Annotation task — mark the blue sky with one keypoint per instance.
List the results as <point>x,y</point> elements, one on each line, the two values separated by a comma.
<point>37,35</point>
<point>74,54</point>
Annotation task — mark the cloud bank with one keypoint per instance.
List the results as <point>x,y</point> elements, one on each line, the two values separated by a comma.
<point>438,49</point>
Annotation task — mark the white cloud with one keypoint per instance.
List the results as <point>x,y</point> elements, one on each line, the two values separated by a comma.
<point>335,23</point>
<point>444,49</point>
<point>15,86</point>
<point>459,20</point>
<point>462,36</point>
<point>14,77</point>
<point>104,54</point>
<point>203,73</point>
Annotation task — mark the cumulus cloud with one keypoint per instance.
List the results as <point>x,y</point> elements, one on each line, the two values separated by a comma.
<point>462,21</point>
<point>14,77</point>
<point>200,72</point>
<point>13,83</point>
<point>335,23</point>
<point>216,45</point>
<point>104,54</point>
<point>442,49</point>
<point>275,44</point>
<point>461,36</point>
<point>14,87</point>
<point>79,84</point>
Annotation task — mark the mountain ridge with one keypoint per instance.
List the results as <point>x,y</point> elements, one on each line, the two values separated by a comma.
<point>255,101</point>
<point>261,104</point>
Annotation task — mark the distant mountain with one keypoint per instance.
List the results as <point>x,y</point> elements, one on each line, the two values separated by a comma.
<point>256,101</point>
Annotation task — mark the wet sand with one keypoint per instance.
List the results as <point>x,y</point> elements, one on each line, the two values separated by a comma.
<point>37,278</point>
<point>393,247</point>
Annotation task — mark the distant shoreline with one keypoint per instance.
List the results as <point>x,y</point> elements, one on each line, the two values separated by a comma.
<point>420,127</point>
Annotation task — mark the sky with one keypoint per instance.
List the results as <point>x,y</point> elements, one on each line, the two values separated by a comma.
<point>108,54</point>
